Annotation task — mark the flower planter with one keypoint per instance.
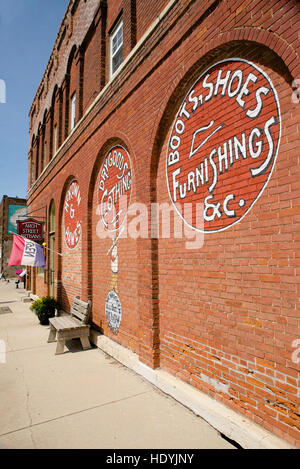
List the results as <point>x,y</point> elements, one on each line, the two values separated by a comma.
<point>44,308</point>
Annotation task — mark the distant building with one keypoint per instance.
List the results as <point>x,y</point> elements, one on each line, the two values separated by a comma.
<point>11,210</point>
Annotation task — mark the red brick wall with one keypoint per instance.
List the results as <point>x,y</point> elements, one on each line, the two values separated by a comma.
<point>146,13</point>
<point>114,10</point>
<point>92,69</point>
<point>125,282</point>
<point>34,143</point>
<point>70,264</point>
<point>229,330</point>
<point>224,317</point>
<point>48,138</point>
<point>41,288</point>
<point>73,77</point>
<point>72,31</point>
<point>56,120</point>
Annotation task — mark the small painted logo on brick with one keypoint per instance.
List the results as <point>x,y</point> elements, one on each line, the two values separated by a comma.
<point>113,310</point>
<point>72,214</point>
<point>114,182</point>
<point>223,143</point>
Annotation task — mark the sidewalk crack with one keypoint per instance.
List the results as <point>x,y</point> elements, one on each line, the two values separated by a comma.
<point>32,425</point>
<point>29,427</point>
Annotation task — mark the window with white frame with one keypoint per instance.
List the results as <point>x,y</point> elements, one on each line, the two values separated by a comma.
<point>116,48</point>
<point>55,139</point>
<point>73,110</point>
<point>32,171</point>
<point>44,156</point>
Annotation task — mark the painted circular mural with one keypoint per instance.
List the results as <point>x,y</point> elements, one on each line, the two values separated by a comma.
<point>72,215</point>
<point>113,310</point>
<point>223,145</point>
<point>114,188</point>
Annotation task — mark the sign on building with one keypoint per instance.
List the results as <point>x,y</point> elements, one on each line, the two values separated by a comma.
<point>114,188</point>
<point>223,144</point>
<point>15,212</point>
<point>72,215</point>
<point>31,229</point>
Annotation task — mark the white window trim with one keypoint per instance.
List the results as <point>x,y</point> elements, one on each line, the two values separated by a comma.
<point>73,111</point>
<point>112,35</point>
<point>55,139</point>
<point>45,155</point>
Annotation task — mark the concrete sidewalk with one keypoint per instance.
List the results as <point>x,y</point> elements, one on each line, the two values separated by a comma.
<point>81,399</point>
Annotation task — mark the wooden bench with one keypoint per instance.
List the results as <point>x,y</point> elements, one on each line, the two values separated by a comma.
<point>72,326</point>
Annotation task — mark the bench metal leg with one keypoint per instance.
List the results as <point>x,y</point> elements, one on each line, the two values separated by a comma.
<point>60,346</point>
<point>52,334</point>
<point>85,343</point>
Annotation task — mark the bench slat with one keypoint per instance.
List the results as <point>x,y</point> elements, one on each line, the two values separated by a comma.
<point>80,309</point>
<point>81,316</point>
<point>65,322</point>
<point>79,302</point>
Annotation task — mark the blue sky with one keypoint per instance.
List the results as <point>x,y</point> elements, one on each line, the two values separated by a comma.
<point>28,29</point>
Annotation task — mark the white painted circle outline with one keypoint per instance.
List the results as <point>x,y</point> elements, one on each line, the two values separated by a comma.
<point>111,148</point>
<point>75,247</point>
<point>274,159</point>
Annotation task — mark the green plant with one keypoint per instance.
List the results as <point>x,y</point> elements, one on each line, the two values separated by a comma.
<point>44,308</point>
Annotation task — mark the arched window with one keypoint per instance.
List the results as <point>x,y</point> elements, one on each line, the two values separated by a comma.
<point>44,142</point>
<point>54,131</point>
<point>70,93</point>
<point>37,157</point>
<point>32,163</point>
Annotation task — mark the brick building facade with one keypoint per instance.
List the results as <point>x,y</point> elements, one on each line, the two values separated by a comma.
<point>179,103</point>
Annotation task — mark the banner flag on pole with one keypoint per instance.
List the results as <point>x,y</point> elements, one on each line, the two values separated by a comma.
<point>27,252</point>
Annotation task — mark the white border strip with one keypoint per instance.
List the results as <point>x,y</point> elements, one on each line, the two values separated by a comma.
<point>235,426</point>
